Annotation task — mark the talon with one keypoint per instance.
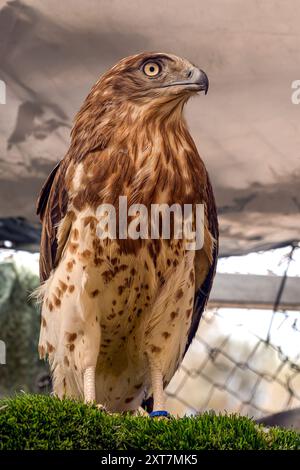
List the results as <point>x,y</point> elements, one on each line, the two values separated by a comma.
<point>140,412</point>
<point>101,407</point>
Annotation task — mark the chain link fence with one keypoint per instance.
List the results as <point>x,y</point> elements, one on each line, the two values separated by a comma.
<point>232,367</point>
<point>242,360</point>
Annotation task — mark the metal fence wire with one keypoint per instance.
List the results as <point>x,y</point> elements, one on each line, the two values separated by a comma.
<point>241,360</point>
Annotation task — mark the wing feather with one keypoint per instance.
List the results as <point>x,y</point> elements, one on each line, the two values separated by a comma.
<point>51,207</point>
<point>203,287</point>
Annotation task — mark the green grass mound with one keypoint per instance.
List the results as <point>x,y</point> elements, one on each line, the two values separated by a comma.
<point>44,422</point>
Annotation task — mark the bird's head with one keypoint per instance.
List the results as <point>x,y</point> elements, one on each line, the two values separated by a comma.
<point>148,77</point>
<point>135,91</point>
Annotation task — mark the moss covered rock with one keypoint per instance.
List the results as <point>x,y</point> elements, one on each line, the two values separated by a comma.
<point>45,422</point>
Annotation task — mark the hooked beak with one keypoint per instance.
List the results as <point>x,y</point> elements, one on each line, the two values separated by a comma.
<point>196,80</point>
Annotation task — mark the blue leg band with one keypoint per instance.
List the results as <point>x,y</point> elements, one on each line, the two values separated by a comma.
<point>156,414</point>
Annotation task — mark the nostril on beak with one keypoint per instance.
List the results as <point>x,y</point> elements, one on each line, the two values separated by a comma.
<point>190,73</point>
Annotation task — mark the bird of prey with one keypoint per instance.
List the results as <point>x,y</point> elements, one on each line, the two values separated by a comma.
<point>119,314</point>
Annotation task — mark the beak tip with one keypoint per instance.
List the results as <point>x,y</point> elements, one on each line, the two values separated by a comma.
<point>202,80</point>
<point>205,81</point>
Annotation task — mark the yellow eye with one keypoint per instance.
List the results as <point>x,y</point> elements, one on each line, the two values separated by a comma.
<point>151,69</point>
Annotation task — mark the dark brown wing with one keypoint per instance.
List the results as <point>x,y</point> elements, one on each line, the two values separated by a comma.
<point>203,290</point>
<point>44,193</point>
<point>51,207</point>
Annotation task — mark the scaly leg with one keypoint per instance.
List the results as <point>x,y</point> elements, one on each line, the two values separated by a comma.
<point>158,391</point>
<point>157,387</point>
<point>89,387</point>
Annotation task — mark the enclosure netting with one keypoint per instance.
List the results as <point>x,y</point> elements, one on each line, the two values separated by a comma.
<point>241,360</point>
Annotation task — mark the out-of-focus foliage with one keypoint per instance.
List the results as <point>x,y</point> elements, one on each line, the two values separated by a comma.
<point>19,329</point>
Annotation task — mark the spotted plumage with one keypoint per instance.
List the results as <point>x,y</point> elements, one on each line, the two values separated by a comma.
<point>118,315</point>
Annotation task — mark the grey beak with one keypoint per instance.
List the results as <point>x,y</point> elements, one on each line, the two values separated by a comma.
<point>198,77</point>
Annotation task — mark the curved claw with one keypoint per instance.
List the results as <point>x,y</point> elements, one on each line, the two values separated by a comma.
<point>140,412</point>
<point>101,407</point>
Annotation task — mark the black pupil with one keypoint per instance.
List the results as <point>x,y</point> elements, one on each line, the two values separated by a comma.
<point>152,68</point>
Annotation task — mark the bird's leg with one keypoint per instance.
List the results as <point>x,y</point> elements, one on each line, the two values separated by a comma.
<point>89,377</point>
<point>90,344</point>
<point>89,387</point>
<point>157,390</point>
<point>157,387</point>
